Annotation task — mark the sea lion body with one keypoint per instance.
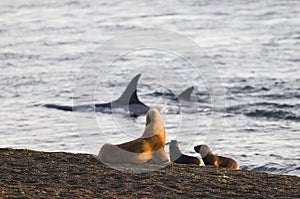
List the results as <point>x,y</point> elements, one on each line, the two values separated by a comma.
<point>218,161</point>
<point>177,157</point>
<point>149,148</point>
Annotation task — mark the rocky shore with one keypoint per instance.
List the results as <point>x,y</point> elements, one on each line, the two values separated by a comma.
<point>35,174</point>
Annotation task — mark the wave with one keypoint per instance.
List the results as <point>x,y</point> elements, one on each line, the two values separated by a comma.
<point>164,94</point>
<point>271,105</point>
<point>275,105</point>
<point>282,96</point>
<point>292,169</point>
<point>274,114</point>
<point>269,110</point>
<point>247,89</point>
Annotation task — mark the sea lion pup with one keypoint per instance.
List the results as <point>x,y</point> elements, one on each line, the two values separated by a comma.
<point>218,161</point>
<point>177,157</point>
<point>149,148</point>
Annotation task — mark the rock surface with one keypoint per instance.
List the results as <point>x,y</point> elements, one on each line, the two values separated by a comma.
<point>28,174</point>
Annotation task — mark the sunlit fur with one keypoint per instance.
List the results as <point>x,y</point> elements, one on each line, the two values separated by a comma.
<point>149,148</point>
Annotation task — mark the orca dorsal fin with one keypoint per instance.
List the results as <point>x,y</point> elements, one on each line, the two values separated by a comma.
<point>129,98</point>
<point>130,90</point>
<point>136,107</point>
<point>134,98</point>
<point>186,94</point>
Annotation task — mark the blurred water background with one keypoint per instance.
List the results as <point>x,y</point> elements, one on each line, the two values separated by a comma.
<point>254,44</point>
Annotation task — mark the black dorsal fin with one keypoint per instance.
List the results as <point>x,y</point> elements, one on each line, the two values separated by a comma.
<point>136,107</point>
<point>186,94</point>
<point>129,91</point>
<point>134,99</point>
<point>130,98</point>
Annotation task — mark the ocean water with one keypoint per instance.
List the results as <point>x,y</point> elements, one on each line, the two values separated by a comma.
<point>253,46</point>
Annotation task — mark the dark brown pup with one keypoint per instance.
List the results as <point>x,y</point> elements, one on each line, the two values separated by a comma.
<point>218,161</point>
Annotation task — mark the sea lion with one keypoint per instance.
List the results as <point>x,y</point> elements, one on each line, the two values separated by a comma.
<point>218,161</point>
<point>149,148</point>
<point>177,157</point>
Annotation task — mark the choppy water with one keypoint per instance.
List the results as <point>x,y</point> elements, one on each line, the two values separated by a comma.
<point>254,44</point>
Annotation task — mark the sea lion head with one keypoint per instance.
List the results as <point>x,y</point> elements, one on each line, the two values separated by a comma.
<point>203,150</point>
<point>153,115</point>
<point>154,123</point>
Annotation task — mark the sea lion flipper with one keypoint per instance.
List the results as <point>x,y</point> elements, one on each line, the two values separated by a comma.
<point>216,163</point>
